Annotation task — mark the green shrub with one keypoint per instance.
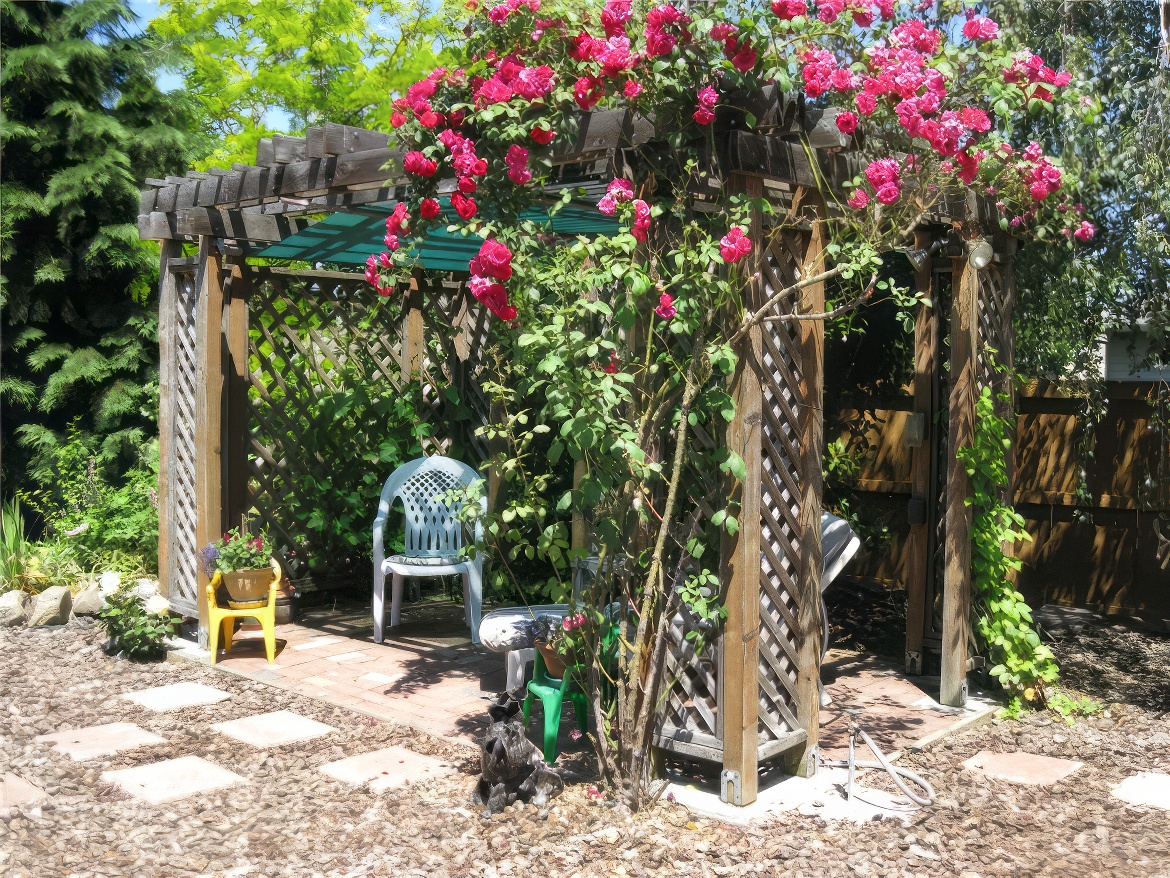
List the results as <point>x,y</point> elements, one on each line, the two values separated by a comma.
<point>133,630</point>
<point>77,500</point>
<point>17,562</point>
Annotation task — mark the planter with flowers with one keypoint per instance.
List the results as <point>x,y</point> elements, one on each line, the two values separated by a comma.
<point>557,643</point>
<point>244,562</point>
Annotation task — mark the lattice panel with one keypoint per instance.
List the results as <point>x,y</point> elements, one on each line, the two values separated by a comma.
<point>995,329</point>
<point>325,357</point>
<point>780,496</point>
<point>183,559</point>
<point>691,704</point>
<point>458,330</point>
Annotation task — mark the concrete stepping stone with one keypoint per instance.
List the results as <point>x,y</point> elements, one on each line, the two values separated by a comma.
<point>347,657</point>
<point>319,641</point>
<point>93,742</point>
<point>15,790</point>
<point>375,677</point>
<point>386,769</point>
<point>172,779</point>
<point>273,729</point>
<point>176,696</point>
<point>1148,788</point>
<point>1022,768</point>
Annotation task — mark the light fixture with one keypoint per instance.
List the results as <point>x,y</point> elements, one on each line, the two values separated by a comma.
<point>917,258</point>
<point>981,254</point>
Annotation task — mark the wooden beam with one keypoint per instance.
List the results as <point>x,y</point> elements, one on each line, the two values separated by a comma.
<point>167,300</point>
<point>961,433</point>
<point>802,761</point>
<point>926,341</point>
<point>208,413</point>
<point>345,139</point>
<point>739,685</point>
<point>237,378</point>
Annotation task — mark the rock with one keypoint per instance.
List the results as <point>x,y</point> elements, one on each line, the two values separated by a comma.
<point>89,601</point>
<point>51,607</point>
<point>13,606</point>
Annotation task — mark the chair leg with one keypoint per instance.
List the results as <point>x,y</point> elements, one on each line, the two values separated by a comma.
<point>552,726</point>
<point>379,604</point>
<point>526,708</point>
<point>395,599</point>
<point>213,627</point>
<point>473,586</point>
<point>581,708</point>
<point>268,623</point>
<point>229,631</point>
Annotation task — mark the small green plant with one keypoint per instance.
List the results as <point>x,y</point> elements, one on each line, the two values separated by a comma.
<point>134,629</point>
<point>1071,706</point>
<point>1022,664</point>
<point>238,550</point>
<point>16,558</point>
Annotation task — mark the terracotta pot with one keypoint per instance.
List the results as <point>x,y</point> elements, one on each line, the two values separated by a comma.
<point>248,589</point>
<point>554,662</point>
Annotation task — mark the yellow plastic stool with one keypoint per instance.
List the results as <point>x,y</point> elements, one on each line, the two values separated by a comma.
<point>219,618</point>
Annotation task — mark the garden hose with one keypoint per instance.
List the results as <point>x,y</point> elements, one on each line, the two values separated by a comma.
<point>895,772</point>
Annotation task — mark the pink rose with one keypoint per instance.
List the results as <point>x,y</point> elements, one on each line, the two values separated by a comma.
<point>464,206</point>
<point>493,260</point>
<point>981,29</point>
<point>786,10</point>
<point>1085,232</point>
<point>734,245</point>
<point>888,193</point>
<point>418,164</point>
<point>665,308</point>
<point>631,89</point>
<point>846,123</point>
<point>429,209</point>
<point>542,136</point>
<point>859,199</point>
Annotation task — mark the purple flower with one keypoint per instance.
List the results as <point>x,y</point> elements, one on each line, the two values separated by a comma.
<point>208,555</point>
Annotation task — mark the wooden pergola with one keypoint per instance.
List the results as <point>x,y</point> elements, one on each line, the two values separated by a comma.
<point>751,696</point>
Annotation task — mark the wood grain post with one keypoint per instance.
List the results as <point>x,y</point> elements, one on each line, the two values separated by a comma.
<point>167,303</point>
<point>208,412</point>
<point>739,684</point>
<point>235,403</point>
<point>802,761</point>
<point>926,340</point>
<point>957,581</point>
<point>412,326</point>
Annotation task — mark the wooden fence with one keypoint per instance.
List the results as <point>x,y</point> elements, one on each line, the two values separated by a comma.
<point>1091,517</point>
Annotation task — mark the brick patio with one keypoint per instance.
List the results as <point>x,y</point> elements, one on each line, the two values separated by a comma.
<point>428,675</point>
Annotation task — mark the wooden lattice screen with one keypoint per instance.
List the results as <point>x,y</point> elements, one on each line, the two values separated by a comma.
<point>178,308</point>
<point>691,720</point>
<point>321,347</point>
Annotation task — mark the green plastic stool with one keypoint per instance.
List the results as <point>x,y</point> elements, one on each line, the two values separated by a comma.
<point>551,693</point>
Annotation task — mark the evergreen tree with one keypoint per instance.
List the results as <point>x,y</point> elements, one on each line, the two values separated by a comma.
<point>82,123</point>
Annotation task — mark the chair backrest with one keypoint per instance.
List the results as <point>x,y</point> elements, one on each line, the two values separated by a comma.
<point>432,528</point>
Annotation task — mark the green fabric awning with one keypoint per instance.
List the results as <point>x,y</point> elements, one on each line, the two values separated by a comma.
<point>350,238</point>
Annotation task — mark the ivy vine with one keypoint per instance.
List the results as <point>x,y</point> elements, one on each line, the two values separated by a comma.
<point>1021,663</point>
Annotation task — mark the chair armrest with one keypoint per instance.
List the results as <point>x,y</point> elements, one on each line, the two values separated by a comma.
<point>212,584</point>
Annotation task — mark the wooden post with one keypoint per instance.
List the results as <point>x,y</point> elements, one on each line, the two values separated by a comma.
<point>739,684</point>
<point>235,403</point>
<point>208,411</point>
<point>957,582</point>
<point>167,302</point>
<point>412,326</point>
<point>918,540</point>
<point>802,761</point>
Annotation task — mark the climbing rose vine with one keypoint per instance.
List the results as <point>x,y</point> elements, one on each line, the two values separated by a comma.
<point>617,350</point>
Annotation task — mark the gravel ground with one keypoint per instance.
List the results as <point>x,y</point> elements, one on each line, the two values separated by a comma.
<point>293,821</point>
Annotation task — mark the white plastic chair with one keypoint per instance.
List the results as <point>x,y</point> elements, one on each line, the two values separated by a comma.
<point>838,546</point>
<point>434,537</point>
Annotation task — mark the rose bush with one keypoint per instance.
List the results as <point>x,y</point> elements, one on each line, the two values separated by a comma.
<point>615,352</point>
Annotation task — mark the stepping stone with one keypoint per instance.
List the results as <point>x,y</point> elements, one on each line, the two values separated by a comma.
<point>319,641</point>
<point>1022,768</point>
<point>93,742</point>
<point>273,729</point>
<point>347,657</point>
<point>386,769</point>
<point>172,779</point>
<point>375,677</point>
<point>176,695</point>
<point>323,682</point>
<point>15,790</point>
<point>1148,788</point>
